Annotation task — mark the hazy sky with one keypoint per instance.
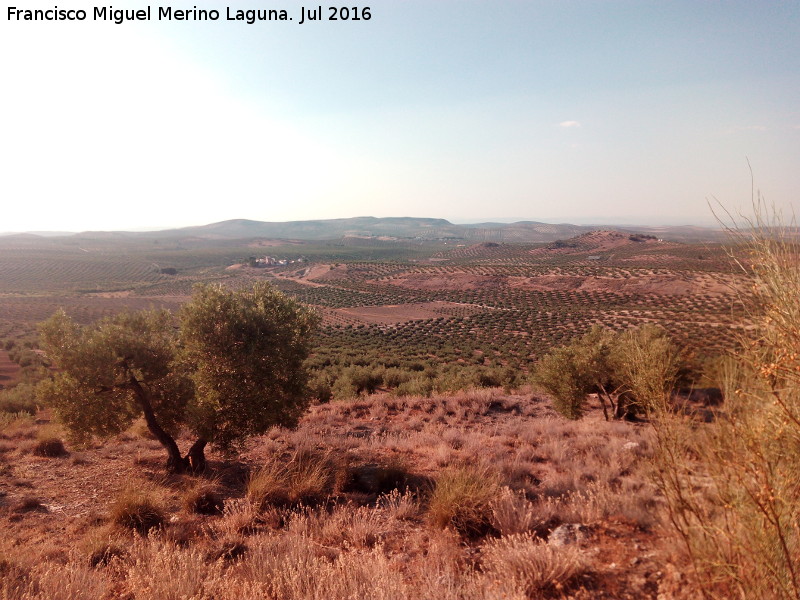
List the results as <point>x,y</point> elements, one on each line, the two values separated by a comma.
<point>599,112</point>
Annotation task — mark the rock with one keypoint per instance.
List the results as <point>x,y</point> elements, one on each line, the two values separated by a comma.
<point>569,533</point>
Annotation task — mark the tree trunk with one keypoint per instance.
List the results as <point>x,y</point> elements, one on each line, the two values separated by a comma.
<point>195,459</point>
<point>625,409</point>
<point>602,395</point>
<point>175,462</point>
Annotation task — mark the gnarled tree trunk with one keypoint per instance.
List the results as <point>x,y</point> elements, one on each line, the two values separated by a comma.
<point>175,462</point>
<point>196,458</point>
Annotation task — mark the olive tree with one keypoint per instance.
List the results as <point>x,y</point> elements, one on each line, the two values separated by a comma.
<point>629,371</point>
<point>570,372</point>
<point>230,366</point>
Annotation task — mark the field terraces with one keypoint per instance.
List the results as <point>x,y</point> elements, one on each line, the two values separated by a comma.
<point>420,370</point>
<point>494,305</point>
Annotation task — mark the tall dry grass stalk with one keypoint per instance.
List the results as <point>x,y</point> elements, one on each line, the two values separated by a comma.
<point>307,476</point>
<point>462,498</point>
<point>732,487</point>
<point>531,565</point>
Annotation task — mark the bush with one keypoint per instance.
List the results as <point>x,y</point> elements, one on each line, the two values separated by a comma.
<point>138,508</point>
<point>344,388</point>
<point>633,371</point>
<point>740,525</point>
<point>20,398</point>
<point>393,377</point>
<point>532,565</point>
<point>50,446</point>
<point>319,386</point>
<point>560,375</point>
<point>418,386</point>
<point>203,498</point>
<point>308,476</point>
<point>462,498</point>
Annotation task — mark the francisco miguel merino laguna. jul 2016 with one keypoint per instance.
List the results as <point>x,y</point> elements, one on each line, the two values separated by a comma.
<point>167,13</point>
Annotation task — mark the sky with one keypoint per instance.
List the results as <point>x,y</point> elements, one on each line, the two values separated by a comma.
<point>590,112</point>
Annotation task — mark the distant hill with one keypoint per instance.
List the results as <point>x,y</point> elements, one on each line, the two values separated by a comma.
<point>394,229</point>
<point>420,229</point>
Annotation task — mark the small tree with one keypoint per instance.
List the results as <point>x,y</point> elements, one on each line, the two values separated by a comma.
<point>232,369</point>
<point>559,375</point>
<point>628,370</point>
<point>571,372</point>
<point>645,363</point>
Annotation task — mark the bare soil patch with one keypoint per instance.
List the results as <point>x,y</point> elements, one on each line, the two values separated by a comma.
<point>316,271</point>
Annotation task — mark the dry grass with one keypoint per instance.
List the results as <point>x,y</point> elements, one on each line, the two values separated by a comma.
<point>16,425</point>
<point>532,565</point>
<point>203,497</point>
<point>49,443</point>
<point>732,486</point>
<point>139,507</point>
<point>383,511</point>
<point>307,476</point>
<point>462,498</point>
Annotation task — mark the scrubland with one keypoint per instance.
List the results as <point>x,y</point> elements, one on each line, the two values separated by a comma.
<point>428,466</point>
<point>477,494</point>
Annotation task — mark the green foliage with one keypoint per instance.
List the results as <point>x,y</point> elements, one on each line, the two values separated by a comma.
<point>319,387</point>
<point>93,392</point>
<point>646,364</point>
<point>416,386</point>
<point>20,398</point>
<point>579,368</point>
<point>233,368</point>
<point>344,388</point>
<point>245,351</point>
<point>559,375</point>
<point>633,370</point>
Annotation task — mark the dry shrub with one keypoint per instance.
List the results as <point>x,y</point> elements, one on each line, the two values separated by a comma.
<point>732,486</point>
<point>161,570</point>
<point>347,525</point>
<point>376,478</point>
<point>289,568</point>
<point>68,582</point>
<point>307,477</point>
<point>49,444</point>
<point>532,565</point>
<point>462,499</point>
<point>102,546</point>
<point>512,513</point>
<point>139,508</point>
<point>401,506</point>
<point>103,554</point>
<point>13,579</point>
<point>203,498</point>
<point>238,517</point>
<point>52,581</point>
